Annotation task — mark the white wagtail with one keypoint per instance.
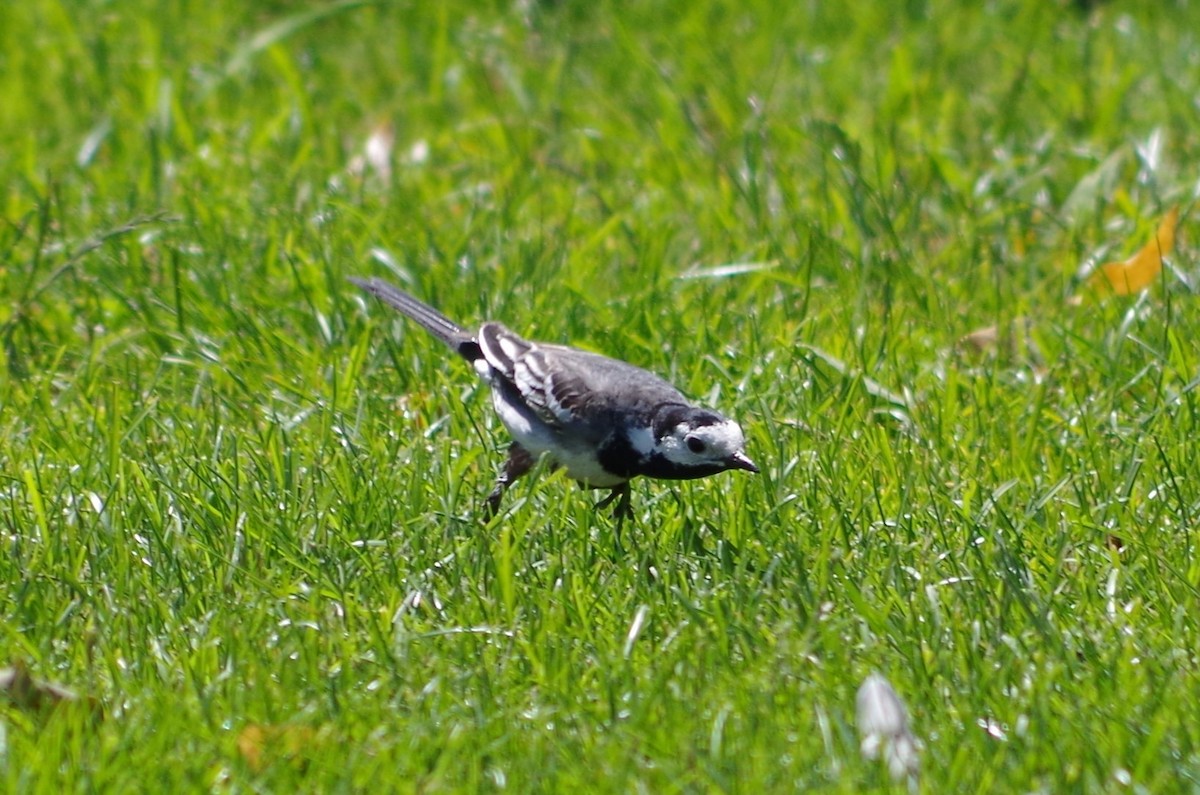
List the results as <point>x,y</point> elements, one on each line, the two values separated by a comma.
<point>602,420</point>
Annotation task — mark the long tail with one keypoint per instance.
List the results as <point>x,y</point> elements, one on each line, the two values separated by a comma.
<point>433,321</point>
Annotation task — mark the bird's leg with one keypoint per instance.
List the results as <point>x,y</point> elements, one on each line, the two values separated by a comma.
<point>519,462</point>
<point>622,510</point>
<point>619,494</point>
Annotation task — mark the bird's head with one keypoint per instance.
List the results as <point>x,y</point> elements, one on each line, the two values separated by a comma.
<point>702,442</point>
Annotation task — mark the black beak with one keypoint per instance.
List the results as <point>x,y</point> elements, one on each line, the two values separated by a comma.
<point>740,460</point>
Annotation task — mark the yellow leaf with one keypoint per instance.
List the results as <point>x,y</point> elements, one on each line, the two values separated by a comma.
<point>1139,271</point>
<point>250,745</point>
<point>260,746</point>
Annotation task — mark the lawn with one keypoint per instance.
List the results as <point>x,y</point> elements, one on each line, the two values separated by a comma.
<point>241,501</point>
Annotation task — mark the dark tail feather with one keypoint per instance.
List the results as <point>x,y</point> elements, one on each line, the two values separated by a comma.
<point>430,319</point>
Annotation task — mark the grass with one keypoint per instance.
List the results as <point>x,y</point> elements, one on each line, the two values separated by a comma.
<point>240,503</point>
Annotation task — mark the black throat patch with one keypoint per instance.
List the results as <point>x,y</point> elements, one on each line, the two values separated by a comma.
<point>662,468</point>
<point>618,456</point>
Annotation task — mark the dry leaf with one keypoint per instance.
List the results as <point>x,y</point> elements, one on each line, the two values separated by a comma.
<point>250,743</point>
<point>35,695</point>
<point>261,746</point>
<point>1139,271</point>
<point>981,340</point>
<point>1015,339</point>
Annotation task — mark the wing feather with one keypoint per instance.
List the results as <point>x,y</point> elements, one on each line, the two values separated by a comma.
<point>568,386</point>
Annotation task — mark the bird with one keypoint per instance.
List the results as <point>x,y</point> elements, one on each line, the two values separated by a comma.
<point>603,420</point>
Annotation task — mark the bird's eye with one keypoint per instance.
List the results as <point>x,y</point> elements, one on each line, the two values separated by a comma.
<point>695,445</point>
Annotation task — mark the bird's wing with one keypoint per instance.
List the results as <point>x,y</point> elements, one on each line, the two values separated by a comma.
<point>564,385</point>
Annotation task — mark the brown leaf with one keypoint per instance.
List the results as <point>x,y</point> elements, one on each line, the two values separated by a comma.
<point>981,340</point>
<point>29,694</point>
<point>261,746</point>
<point>1139,271</point>
<point>1014,339</point>
<point>250,743</point>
